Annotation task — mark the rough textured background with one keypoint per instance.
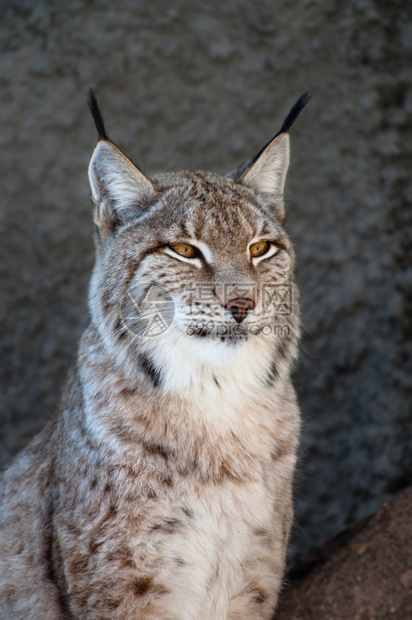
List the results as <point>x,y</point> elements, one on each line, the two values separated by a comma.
<point>204,85</point>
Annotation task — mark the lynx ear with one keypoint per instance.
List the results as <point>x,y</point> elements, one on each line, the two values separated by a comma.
<point>119,188</point>
<point>266,172</point>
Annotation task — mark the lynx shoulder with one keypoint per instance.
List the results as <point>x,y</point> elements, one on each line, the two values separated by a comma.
<point>162,490</point>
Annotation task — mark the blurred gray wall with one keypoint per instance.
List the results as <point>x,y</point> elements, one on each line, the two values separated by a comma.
<point>203,85</point>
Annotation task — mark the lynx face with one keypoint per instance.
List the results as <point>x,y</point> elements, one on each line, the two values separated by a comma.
<point>194,271</point>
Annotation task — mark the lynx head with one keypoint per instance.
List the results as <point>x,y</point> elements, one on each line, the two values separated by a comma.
<point>194,276</point>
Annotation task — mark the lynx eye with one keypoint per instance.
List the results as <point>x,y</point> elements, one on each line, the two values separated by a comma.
<point>184,249</point>
<point>259,248</point>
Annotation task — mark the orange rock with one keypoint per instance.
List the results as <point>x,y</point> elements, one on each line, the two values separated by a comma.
<point>365,573</point>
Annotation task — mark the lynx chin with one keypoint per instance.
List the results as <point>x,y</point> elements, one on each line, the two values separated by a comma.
<point>162,489</point>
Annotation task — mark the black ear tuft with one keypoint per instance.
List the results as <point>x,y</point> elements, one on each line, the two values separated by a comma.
<point>287,124</point>
<point>97,115</point>
<point>294,112</point>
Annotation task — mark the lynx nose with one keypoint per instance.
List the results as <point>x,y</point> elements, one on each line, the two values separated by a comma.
<point>239,307</point>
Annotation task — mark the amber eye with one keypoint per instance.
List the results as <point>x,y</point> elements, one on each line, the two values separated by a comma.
<point>259,248</point>
<point>184,249</point>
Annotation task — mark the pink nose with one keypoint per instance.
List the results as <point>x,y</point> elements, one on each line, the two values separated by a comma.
<point>239,307</point>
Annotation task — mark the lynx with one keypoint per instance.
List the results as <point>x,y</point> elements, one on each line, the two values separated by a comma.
<point>162,490</point>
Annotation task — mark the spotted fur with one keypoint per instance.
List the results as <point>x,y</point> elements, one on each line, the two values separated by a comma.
<point>162,490</point>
